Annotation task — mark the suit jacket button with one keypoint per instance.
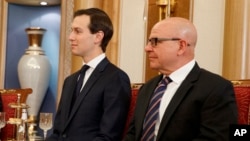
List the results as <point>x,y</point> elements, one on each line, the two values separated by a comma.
<point>64,136</point>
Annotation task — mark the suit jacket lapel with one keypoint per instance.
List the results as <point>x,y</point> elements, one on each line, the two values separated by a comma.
<point>178,98</point>
<point>90,82</point>
<point>70,93</point>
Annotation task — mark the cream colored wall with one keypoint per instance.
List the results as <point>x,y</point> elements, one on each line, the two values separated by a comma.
<point>131,53</point>
<point>208,16</point>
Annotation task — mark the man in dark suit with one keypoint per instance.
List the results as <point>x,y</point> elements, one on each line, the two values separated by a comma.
<point>99,111</point>
<point>196,105</point>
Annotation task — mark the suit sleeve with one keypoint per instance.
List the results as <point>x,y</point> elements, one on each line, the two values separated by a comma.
<point>116,102</point>
<point>130,135</point>
<point>57,126</point>
<point>217,113</point>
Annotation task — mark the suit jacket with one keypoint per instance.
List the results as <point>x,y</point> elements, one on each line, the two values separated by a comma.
<point>99,113</point>
<point>202,109</point>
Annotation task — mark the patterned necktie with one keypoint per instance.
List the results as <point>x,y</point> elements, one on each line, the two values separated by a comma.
<point>153,111</point>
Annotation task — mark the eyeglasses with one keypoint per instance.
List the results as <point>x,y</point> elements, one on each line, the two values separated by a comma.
<point>154,41</point>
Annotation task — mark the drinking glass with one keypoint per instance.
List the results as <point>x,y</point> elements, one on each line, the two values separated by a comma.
<point>45,122</point>
<point>2,120</point>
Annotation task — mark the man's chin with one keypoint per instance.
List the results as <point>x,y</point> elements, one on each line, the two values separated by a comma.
<point>153,67</point>
<point>75,54</point>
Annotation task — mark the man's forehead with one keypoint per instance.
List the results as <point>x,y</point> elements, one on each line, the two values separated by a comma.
<point>160,29</point>
<point>80,21</point>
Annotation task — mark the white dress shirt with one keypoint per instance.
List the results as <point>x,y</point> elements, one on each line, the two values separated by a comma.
<point>92,65</point>
<point>177,76</point>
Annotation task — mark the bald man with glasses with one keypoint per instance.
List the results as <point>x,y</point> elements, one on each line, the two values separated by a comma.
<point>193,103</point>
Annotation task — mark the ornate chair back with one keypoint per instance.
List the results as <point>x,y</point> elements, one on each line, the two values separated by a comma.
<point>242,94</point>
<point>134,92</point>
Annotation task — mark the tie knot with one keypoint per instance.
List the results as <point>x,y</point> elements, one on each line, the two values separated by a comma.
<point>84,69</point>
<point>166,80</point>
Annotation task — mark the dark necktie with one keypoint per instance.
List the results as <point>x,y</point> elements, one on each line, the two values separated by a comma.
<point>80,79</point>
<point>78,85</point>
<point>153,111</point>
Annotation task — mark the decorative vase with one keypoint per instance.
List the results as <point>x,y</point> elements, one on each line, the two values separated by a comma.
<point>34,71</point>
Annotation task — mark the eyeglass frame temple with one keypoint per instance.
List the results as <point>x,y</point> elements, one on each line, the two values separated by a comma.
<point>164,39</point>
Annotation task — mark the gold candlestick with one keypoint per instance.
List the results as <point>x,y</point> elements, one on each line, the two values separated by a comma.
<point>165,8</point>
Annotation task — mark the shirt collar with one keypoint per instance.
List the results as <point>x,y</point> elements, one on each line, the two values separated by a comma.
<point>94,62</point>
<point>180,74</point>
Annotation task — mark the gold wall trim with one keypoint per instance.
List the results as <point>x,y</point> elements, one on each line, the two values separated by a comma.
<point>114,13</point>
<point>236,58</point>
<point>3,32</point>
<point>64,68</point>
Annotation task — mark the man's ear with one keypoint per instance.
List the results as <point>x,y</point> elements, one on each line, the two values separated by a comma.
<point>99,36</point>
<point>182,47</point>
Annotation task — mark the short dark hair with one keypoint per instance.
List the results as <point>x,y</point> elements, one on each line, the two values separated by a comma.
<point>99,21</point>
